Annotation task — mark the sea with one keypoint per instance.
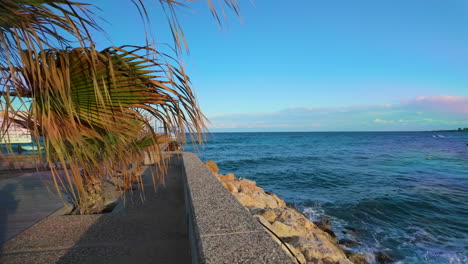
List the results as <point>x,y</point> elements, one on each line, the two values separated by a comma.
<point>401,193</point>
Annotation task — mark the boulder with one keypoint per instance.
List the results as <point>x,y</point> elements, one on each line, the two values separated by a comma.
<point>309,243</point>
<point>247,186</point>
<point>296,254</point>
<point>383,258</point>
<point>264,222</point>
<point>211,165</point>
<point>249,201</point>
<point>292,217</point>
<point>227,177</point>
<point>278,200</point>
<point>270,215</point>
<point>283,230</point>
<point>269,200</point>
<point>231,187</point>
<point>317,249</point>
<point>356,258</point>
<point>349,243</point>
<point>324,223</point>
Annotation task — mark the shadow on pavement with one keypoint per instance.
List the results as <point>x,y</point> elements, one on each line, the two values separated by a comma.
<point>8,205</point>
<point>153,231</point>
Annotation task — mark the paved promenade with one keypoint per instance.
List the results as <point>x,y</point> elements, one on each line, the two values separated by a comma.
<point>25,200</point>
<point>154,231</point>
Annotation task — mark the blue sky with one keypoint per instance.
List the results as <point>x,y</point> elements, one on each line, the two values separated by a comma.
<point>320,65</point>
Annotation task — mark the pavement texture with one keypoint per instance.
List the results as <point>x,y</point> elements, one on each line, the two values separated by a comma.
<point>25,198</point>
<point>222,230</point>
<point>153,231</point>
<point>192,218</point>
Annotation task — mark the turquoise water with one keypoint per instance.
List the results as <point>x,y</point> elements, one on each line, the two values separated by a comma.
<point>403,193</point>
<point>20,148</point>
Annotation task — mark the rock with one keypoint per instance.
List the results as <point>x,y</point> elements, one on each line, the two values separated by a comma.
<point>270,215</point>
<point>231,187</point>
<point>255,210</point>
<point>269,200</point>
<point>316,249</point>
<point>248,187</point>
<point>383,258</point>
<point>278,200</point>
<point>283,230</point>
<point>324,223</point>
<point>356,258</point>
<point>349,243</point>
<point>351,228</point>
<point>211,165</point>
<point>294,218</point>
<point>247,200</point>
<point>264,222</point>
<point>227,177</point>
<point>307,242</point>
<point>296,254</point>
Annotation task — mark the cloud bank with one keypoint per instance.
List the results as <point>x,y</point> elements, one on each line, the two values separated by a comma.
<point>421,113</point>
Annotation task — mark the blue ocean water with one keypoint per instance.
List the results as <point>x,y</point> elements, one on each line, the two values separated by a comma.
<point>403,193</point>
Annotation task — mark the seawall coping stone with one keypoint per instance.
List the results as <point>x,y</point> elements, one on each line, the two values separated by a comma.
<point>222,229</point>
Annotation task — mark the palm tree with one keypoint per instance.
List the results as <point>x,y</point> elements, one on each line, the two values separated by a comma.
<point>91,108</point>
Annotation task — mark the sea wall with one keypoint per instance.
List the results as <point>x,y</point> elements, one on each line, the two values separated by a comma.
<point>306,241</point>
<point>220,229</point>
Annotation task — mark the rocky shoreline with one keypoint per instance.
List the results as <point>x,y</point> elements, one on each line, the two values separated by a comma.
<point>303,240</point>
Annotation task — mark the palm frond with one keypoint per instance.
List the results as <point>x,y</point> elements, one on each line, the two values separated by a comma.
<point>94,132</point>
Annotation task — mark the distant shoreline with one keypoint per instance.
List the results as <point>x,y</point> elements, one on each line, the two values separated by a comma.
<point>411,131</point>
<point>450,130</point>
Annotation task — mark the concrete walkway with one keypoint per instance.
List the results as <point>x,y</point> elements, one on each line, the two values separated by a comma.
<point>25,200</point>
<point>153,231</point>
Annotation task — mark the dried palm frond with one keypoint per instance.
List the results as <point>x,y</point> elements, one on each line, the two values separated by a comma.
<point>91,109</point>
<point>90,133</point>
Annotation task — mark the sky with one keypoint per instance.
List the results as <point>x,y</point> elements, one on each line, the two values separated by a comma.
<point>318,65</point>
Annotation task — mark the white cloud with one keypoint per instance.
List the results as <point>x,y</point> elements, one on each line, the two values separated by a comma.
<point>421,113</point>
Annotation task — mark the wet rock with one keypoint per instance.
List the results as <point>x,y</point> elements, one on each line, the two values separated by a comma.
<point>352,229</point>
<point>211,165</point>
<point>356,258</point>
<point>332,235</point>
<point>349,243</point>
<point>324,224</point>
<point>316,249</point>
<point>383,258</point>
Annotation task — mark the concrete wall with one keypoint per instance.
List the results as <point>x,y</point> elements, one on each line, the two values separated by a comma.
<point>221,229</point>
